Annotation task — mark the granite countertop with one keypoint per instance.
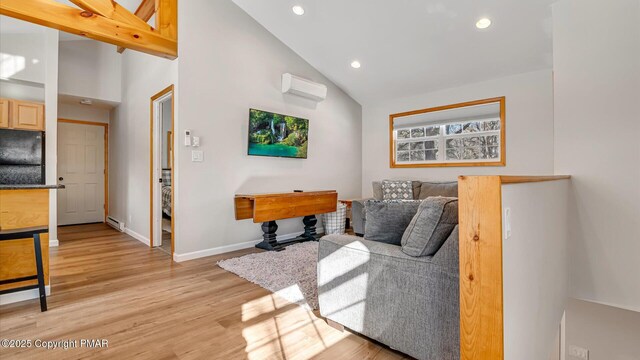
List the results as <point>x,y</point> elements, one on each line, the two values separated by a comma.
<point>29,187</point>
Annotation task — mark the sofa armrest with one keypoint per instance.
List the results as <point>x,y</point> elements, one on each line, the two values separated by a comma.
<point>357,216</point>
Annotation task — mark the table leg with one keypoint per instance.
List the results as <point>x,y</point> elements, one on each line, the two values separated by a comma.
<point>269,241</point>
<point>310,227</point>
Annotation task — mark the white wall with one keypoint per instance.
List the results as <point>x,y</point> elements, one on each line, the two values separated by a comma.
<point>529,126</point>
<point>50,46</point>
<point>142,77</point>
<point>23,65</point>
<point>23,91</point>
<point>83,112</point>
<point>228,63</point>
<point>535,267</point>
<point>90,69</point>
<point>23,56</point>
<point>597,124</point>
<point>608,333</point>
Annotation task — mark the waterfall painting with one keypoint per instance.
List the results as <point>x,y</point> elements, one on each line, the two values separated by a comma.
<point>277,135</point>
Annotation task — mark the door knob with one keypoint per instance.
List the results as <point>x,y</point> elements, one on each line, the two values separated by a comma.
<point>60,178</point>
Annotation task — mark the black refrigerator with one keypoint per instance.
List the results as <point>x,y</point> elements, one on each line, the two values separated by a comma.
<point>22,157</point>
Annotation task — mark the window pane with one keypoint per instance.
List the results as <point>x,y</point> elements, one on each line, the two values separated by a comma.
<point>474,153</point>
<point>454,143</point>
<point>454,154</point>
<point>474,141</point>
<point>404,134</point>
<point>417,145</point>
<point>492,140</point>
<point>417,132</point>
<point>454,129</point>
<point>431,144</point>
<point>402,146</point>
<point>431,155</point>
<point>432,131</point>
<point>492,125</point>
<point>493,152</point>
<point>417,155</point>
<point>472,127</point>
<point>402,156</point>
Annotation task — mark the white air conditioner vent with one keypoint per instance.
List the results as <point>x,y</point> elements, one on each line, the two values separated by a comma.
<point>295,85</point>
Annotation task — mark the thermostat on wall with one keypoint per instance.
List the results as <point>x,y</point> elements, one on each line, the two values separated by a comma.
<point>187,138</point>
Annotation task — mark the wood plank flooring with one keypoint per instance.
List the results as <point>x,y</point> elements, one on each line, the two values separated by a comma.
<point>107,285</point>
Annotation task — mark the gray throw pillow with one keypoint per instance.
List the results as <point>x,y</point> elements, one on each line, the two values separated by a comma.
<point>377,189</point>
<point>397,190</point>
<point>446,189</point>
<point>432,224</point>
<point>388,219</point>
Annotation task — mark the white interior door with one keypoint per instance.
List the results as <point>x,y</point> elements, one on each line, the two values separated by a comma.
<point>81,170</point>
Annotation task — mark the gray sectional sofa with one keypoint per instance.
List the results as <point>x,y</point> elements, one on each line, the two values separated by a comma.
<point>421,191</point>
<point>377,288</point>
<point>408,303</point>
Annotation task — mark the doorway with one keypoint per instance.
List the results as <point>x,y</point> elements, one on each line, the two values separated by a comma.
<point>83,169</point>
<point>162,219</point>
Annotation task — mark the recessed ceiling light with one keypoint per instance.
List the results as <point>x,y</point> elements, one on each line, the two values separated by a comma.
<point>298,10</point>
<point>355,64</point>
<point>483,23</point>
<point>86,102</point>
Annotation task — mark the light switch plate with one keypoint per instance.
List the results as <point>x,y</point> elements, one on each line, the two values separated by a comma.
<point>578,352</point>
<point>197,156</point>
<point>507,223</point>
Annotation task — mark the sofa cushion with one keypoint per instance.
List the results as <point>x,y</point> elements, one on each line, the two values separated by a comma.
<point>446,189</point>
<point>431,226</point>
<point>397,190</point>
<point>388,219</point>
<point>378,194</point>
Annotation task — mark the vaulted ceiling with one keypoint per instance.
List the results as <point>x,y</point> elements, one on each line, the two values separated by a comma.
<point>407,47</point>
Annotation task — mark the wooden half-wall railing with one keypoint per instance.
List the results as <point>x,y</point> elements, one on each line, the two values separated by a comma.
<point>482,323</point>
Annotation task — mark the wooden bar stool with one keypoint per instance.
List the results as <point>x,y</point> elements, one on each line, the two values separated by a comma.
<point>24,233</point>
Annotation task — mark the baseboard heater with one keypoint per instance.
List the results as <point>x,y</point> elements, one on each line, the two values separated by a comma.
<point>116,224</point>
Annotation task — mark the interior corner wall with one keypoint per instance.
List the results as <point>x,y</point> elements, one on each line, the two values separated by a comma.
<point>229,64</point>
<point>529,129</point>
<point>143,76</point>
<point>597,123</point>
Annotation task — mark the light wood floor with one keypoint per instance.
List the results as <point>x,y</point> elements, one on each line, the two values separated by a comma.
<point>107,285</point>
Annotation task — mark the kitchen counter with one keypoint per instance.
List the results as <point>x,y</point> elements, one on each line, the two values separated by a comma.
<point>30,187</point>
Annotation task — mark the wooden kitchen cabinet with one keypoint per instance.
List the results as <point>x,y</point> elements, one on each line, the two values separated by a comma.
<point>4,113</point>
<point>26,115</point>
<point>21,115</point>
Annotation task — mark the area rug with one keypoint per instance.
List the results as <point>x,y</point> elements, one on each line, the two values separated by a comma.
<point>290,274</point>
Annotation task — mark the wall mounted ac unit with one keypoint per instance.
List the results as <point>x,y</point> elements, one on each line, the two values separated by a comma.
<point>295,85</point>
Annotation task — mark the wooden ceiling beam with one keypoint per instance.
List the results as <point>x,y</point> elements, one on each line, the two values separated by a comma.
<point>112,10</point>
<point>145,11</point>
<point>166,18</point>
<point>84,23</point>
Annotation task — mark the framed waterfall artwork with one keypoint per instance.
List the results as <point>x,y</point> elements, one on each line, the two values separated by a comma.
<point>277,135</point>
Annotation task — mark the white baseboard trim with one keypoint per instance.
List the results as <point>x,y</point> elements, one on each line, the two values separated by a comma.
<point>137,236</point>
<point>228,248</point>
<point>23,295</point>
<point>53,243</point>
